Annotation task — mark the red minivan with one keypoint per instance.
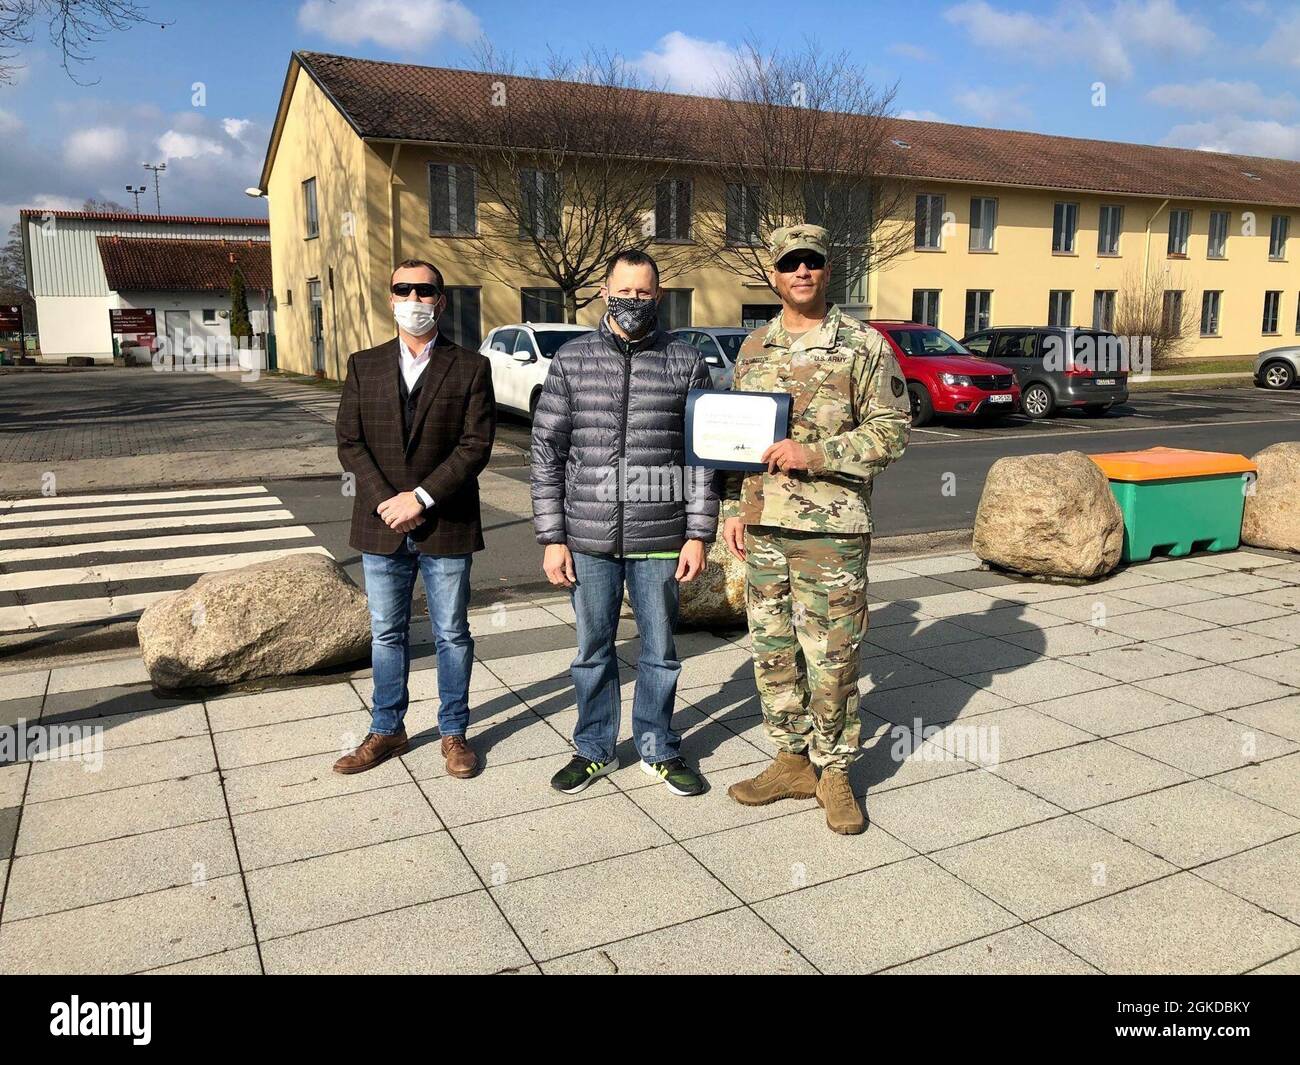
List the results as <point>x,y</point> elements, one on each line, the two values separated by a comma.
<point>945,378</point>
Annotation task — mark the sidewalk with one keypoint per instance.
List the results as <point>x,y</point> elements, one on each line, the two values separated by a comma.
<point>1113,784</point>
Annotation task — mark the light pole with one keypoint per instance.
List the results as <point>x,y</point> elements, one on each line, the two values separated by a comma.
<point>157,169</point>
<point>135,191</point>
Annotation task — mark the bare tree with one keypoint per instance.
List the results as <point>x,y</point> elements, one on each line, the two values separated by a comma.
<point>804,136</point>
<point>74,27</point>
<point>1156,304</point>
<point>569,169</point>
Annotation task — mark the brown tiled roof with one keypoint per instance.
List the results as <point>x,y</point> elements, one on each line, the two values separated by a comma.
<point>183,265</point>
<point>401,101</point>
<point>130,216</point>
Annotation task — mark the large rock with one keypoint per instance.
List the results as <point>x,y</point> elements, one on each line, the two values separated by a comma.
<point>288,615</point>
<point>1272,514</point>
<point>717,597</point>
<point>1049,514</point>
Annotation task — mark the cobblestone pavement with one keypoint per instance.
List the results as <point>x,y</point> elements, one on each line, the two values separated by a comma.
<point>1058,778</point>
<point>137,411</point>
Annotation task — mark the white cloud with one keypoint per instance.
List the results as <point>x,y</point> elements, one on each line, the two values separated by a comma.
<point>9,211</point>
<point>1239,136</point>
<point>95,146</point>
<point>993,106</point>
<point>403,25</point>
<point>9,123</point>
<point>1283,44</point>
<point>912,51</point>
<point>1219,97</point>
<point>176,145</point>
<point>1102,39</point>
<point>686,64</point>
<point>235,127</point>
<point>922,116</point>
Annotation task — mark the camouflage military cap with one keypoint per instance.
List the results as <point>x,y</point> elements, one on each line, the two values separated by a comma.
<point>802,237</point>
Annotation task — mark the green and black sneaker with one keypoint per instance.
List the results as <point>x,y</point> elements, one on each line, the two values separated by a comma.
<point>680,778</point>
<point>579,774</point>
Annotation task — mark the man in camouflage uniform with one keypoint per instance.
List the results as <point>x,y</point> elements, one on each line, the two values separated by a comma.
<point>803,527</point>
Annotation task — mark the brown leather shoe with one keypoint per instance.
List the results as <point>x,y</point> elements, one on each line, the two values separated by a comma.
<point>835,796</point>
<point>790,776</point>
<point>373,750</point>
<point>461,759</point>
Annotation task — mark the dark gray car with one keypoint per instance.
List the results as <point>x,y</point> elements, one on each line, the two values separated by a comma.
<point>1057,367</point>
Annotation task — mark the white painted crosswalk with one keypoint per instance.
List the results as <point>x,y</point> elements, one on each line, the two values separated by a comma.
<point>87,559</point>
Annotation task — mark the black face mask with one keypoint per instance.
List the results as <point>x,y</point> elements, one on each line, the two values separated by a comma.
<point>635,317</point>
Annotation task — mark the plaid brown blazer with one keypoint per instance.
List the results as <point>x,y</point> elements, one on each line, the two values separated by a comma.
<point>450,442</point>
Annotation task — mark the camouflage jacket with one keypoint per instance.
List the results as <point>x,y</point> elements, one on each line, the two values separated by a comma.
<point>850,407</point>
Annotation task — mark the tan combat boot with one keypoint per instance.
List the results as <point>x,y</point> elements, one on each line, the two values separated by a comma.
<point>791,776</point>
<point>835,796</point>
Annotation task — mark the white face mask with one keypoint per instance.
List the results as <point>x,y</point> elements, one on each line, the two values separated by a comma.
<point>415,318</point>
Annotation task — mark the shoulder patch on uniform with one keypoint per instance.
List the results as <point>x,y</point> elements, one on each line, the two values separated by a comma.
<point>896,385</point>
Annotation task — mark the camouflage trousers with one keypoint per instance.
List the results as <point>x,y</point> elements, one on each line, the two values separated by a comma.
<point>806,594</point>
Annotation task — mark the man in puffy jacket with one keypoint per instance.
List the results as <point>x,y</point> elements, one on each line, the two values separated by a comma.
<point>614,504</point>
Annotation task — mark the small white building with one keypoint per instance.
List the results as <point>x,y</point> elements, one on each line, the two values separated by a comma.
<point>175,270</point>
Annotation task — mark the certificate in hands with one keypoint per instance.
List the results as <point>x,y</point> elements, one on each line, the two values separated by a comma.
<point>731,430</point>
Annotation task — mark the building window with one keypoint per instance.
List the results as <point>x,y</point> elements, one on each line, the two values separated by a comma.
<point>1103,309</point>
<point>675,308</point>
<point>1172,312</point>
<point>1272,309</point>
<point>1109,223</point>
<point>1059,307</point>
<point>756,315</point>
<point>1065,223</point>
<point>1218,245</point>
<point>453,208</point>
<point>542,305</point>
<point>742,214</point>
<point>673,210</point>
<point>460,319</point>
<point>539,204</point>
<point>1180,225</point>
<point>979,304</point>
<point>925,306</point>
<point>288,297</point>
<point>1210,314</point>
<point>983,221</point>
<point>1277,236</point>
<point>209,316</point>
<point>310,213</point>
<point>929,222</point>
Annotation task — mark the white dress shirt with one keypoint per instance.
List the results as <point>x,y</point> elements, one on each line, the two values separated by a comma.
<point>413,365</point>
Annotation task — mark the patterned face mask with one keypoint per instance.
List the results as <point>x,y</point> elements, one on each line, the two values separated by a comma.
<point>635,317</point>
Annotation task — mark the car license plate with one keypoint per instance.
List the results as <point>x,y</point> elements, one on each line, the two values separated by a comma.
<point>1000,399</point>
<point>1105,381</point>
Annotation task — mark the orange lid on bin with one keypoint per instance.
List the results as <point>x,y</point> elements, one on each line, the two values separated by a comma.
<point>1166,463</point>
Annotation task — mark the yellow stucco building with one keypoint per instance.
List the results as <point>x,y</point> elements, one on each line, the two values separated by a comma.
<point>1009,228</point>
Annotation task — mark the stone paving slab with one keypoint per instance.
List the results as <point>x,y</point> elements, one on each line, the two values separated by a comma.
<point>1059,778</point>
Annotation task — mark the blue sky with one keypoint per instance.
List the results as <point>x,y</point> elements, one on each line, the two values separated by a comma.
<point>1216,75</point>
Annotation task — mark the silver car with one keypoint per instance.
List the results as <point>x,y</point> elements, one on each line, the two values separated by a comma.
<point>719,345</point>
<point>1278,368</point>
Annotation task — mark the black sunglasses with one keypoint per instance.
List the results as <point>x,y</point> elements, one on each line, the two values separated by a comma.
<point>421,288</point>
<point>790,263</point>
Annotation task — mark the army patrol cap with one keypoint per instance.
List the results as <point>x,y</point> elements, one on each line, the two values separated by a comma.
<point>801,237</point>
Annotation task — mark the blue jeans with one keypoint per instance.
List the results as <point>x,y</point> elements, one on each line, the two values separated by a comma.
<point>597,600</point>
<point>390,580</point>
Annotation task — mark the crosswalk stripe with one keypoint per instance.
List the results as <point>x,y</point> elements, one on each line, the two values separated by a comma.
<point>57,501</point>
<point>60,559</point>
<point>180,521</point>
<point>151,568</point>
<point>153,543</point>
<point>157,508</point>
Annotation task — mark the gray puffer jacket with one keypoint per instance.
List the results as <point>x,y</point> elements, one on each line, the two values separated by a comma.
<point>605,400</point>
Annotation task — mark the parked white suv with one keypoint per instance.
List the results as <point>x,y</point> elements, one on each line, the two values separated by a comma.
<point>521,358</point>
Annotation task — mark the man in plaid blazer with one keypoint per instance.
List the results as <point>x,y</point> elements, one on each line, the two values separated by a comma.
<point>415,428</point>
